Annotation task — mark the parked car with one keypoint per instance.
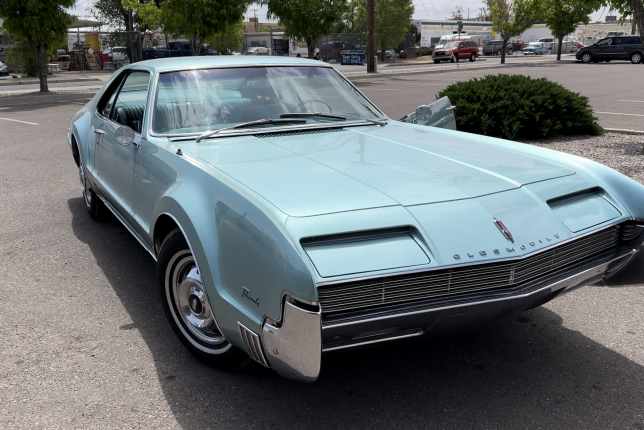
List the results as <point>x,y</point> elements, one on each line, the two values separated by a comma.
<point>518,45</point>
<point>256,50</point>
<point>402,54</point>
<point>613,48</point>
<point>64,61</point>
<point>289,217</point>
<point>117,53</point>
<point>494,47</point>
<point>549,41</point>
<point>174,49</point>
<point>455,51</point>
<point>536,48</point>
<point>4,69</point>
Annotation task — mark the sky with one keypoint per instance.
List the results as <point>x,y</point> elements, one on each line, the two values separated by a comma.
<point>424,9</point>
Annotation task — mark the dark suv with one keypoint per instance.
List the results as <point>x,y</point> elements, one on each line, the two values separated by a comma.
<point>613,48</point>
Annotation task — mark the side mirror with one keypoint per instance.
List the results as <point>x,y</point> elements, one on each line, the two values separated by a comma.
<point>124,135</point>
<point>423,113</point>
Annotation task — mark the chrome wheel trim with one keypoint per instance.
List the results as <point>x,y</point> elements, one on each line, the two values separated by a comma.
<point>636,58</point>
<point>87,193</point>
<point>586,58</point>
<point>186,295</point>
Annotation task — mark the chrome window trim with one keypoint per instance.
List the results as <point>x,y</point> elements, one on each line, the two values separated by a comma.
<point>458,305</point>
<point>145,116</point>
<point>154,94</point>
<point>473,263</point>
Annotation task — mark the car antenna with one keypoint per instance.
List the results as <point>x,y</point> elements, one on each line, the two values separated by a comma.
<point>179,152</point>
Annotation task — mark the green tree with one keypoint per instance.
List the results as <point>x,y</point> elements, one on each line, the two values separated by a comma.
<point>147,14</point>
<point>24,55</point>
<point>563,15</point>
<point>393,18</point>
<point>308,20</point>
<point>199,20</point>
<point>229,40</point>
<point>635,8</point>
<point>42,24</point>
<point>510,18</point>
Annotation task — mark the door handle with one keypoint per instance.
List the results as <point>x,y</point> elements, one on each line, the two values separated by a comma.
<point>99,131</point>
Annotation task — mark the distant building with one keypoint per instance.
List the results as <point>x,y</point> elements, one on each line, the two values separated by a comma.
<point>254,26</point>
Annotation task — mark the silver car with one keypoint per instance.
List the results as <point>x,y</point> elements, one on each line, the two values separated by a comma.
<point>4,69</point>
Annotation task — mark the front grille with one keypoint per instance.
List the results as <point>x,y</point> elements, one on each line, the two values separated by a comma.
<point>449,283</point>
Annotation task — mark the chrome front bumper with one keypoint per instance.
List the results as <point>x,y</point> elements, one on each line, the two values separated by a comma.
<point>295,344</point>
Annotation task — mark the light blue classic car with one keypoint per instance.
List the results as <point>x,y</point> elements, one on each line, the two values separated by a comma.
<point>536,48</point>
<point>289,217</point>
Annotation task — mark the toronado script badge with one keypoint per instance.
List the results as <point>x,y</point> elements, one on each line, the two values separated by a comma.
<point>246,294</point>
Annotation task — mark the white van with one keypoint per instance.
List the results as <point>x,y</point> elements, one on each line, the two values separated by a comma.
<point>479,37</point>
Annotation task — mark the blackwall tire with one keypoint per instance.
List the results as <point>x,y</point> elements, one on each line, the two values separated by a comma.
<point>636,58</point>
<point>473,57</point>
<point>187,307</point>
<point>95,207</point>
<point>587,57</point>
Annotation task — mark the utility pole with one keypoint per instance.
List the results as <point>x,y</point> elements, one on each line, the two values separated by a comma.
<point>371,36</point>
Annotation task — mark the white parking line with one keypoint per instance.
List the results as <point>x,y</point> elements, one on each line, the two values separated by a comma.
<point>17,120</point>
<point>614,113</point>
<point>632,101</point>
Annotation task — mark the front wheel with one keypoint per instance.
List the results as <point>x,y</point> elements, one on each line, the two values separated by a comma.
<point>586,57</point>
<point>187,306</point>
<point>95,207</point>
<point>636,58</point>
<point>473,57</point>
<point>437,61</point>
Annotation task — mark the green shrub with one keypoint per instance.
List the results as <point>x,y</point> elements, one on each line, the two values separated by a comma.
<point>520,107</point>
<point>424,50</point>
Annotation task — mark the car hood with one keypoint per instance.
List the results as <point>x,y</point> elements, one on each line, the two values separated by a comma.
<point>314,172</point>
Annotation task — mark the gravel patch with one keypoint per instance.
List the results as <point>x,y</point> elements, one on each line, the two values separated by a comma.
<point>622,152</point>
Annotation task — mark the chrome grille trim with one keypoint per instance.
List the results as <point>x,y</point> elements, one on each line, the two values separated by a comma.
<point>252,344</point>
<point>451,282</point>
<point>631,231</point>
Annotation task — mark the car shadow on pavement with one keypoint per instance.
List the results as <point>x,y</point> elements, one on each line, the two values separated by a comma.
<point>523,372</point>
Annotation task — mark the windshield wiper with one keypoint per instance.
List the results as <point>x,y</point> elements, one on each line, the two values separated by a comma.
<point>249,124</point>
<point>330,115</point>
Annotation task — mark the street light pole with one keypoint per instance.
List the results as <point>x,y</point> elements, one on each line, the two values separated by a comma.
<point>371,37</point>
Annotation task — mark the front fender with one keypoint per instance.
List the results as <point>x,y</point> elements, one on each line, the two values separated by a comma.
<point>245,256</point>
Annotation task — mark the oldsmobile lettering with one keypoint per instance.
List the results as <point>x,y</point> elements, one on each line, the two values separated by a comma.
<point>246,294</point>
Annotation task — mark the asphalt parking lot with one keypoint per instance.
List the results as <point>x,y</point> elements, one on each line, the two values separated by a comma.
<point>84,343</point>
<point>611,87</point>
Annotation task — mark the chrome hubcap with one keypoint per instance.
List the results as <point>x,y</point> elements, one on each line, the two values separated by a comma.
<point>586,58</point>
<point>191,302</point>
<point>637,58</point>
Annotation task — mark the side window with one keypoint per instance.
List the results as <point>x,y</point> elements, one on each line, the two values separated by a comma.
<point>605,42</point>
<point>130,104</point>
<point>617,41</point>
<point>474,45</point>
<point>104,106</point>
<point>461,45</point>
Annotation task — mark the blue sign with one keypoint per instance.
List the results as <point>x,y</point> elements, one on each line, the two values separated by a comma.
<point>352,59</point>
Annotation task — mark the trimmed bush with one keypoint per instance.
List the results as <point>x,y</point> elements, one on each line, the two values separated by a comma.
<point>520,107</point>
<point>424,50</point>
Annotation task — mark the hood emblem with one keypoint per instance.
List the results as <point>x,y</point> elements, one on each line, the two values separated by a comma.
<point>504,230</point>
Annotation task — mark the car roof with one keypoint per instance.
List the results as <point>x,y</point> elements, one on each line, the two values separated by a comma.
<point>175,63</point>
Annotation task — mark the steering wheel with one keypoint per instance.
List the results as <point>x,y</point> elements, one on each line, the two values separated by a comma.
<point>311,101</point>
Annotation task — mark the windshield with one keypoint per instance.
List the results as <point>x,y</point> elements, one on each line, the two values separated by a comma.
<point>449,45</point>
<point>193,101</point>
<point>534,44</point>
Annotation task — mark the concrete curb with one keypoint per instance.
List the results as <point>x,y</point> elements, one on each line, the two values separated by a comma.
<point>624,131</point>
<point>49,81</point>
<point>432,70</point>
<point>16,101</point>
